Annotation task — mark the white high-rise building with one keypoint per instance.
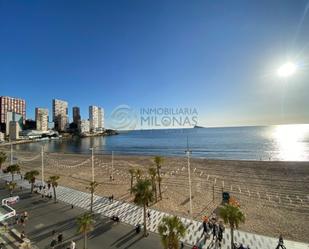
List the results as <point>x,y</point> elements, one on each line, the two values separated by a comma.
<point>2,137</point>
<point>84,126</point>
<point>100,118</point>
<point>41,119</point>
<point>60,114</point>
<point>96,117</point>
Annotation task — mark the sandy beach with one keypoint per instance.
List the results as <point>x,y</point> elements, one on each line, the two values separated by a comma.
<point>273,195</point>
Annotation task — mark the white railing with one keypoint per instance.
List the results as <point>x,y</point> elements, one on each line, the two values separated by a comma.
<point>11,212</point>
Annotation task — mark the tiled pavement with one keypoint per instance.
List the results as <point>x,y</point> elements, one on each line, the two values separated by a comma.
<point>7,239</point>
<point>131,214</point>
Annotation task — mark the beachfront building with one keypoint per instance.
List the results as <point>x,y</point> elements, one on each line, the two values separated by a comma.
<point>41,119</point>
<point>51,125</point>
<point>13,116</point>
<point>84,126</point>
<point>96,116</point>
<point>76,115</point>
<point>15,106</point>
<point>14,130</point>
<point>60,114</point>
<point>100,118</point>
<point>2,137</point>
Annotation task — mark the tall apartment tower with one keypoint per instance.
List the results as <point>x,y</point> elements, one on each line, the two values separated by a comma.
<point>93,117</point>
<point>60,114</point>
<point>41,119</point>
<point>100,118</point>
<point>76,115</point>
<point>14,130</point>
<point>96,115</point>
<point>14,105</point>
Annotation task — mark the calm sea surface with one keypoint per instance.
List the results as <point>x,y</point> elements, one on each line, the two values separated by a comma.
<point>283,142</point>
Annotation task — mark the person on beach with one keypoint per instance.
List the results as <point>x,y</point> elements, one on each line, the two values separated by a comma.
<point>72,245</point>
<point>241,247</point>
<point>22,221</point>
<point>60,238</point>
<point>220,233</point>
<point>215,230</point>
<point>53,243</point>
<point>204,226</point>
<point>22,235</point>
<point>182,246</point>
<point>280,243</point>
<point>137,228</point>
<point>17,219</point>
<point>26,215</point>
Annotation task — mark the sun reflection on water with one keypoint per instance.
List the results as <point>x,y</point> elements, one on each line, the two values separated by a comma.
<point>290,141</point>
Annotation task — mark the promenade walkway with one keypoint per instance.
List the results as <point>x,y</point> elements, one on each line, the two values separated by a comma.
<point>132,214</point>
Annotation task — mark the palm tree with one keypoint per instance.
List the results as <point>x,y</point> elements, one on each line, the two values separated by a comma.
<point>132,174</point>
<point>53,181</point>
<point>30,177</point>
<point>11,186</point>
<point>143,195</point>
<point>138,174</point>
<point>153,174</point>
<point>3,158</point>
<point>171,229</point>
<point>85,225</point>
<point>14,168</point>
<point>92,186</point>
<point>232,215</point>
<point>158,161</point>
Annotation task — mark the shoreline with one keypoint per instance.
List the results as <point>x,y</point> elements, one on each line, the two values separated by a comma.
<point>120,153</point>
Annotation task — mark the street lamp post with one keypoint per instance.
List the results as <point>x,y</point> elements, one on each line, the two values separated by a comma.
<point>92,163</point>
<point>11,153</point>
<point>42,157</point>
<point>188,152</point>
<point>112,174</point>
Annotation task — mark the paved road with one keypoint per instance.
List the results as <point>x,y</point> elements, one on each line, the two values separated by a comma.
<point>45,216</point>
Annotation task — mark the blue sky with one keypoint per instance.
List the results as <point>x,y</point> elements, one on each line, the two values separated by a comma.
<point>217,56</point>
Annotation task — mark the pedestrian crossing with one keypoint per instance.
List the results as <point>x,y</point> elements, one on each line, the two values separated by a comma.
<point>132,214</point>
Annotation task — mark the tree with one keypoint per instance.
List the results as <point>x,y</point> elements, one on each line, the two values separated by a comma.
<point>143,195</point>
<point>3,158</point>
<point>171,229</point>
<point>92,187</point>
<point>11,186</point>
<point>232,215</point>
<point>53,181</point>
<point>85,225</point>
<point>153,174</point>
<point>132,174</point>
<point>138,174</point>
<point>158,162</point>
<point>14,168</point>
<point>30,177</point>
